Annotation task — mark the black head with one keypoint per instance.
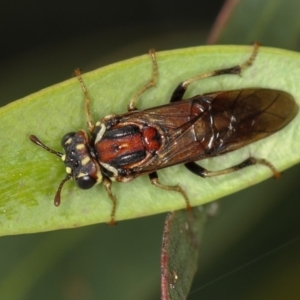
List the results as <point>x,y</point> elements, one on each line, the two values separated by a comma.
<point>79,161</point>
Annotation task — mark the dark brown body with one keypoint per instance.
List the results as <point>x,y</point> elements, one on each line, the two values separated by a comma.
<point>123,147</point>
<point>189,130</point>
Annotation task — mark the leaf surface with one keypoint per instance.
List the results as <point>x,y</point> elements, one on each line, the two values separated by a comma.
<point>30,176</point>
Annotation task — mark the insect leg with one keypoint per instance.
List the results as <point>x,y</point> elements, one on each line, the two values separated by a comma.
<point>87,101</point>
<point>236,70</point>
<point>107,184</point>
<point>198,170</point>
<point>150,84</point>
<point>154,180</point>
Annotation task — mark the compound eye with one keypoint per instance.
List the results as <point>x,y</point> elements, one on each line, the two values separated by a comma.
<point>66,137</point>
<point>85,182</point>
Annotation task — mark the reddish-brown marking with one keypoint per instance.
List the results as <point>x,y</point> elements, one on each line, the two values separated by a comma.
<point>151,139</point>
<point>110,149</point>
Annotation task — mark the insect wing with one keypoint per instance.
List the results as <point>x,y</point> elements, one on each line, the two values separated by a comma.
<point>253,114</point>
<point>215,123</point>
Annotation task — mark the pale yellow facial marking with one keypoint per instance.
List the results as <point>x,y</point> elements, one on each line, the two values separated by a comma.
<point>81,175</point>
<point>63,158</point>
<point>68,141</point>
<point>68,170</point>
<point>80,146</point>
<point>85,161</point>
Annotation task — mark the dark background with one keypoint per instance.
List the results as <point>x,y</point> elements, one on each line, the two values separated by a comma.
<point>42,42</point>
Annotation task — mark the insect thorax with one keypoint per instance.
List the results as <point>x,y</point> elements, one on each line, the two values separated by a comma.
<point>123,146</point>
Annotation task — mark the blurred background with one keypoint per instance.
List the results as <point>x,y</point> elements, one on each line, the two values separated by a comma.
<point>42,43</point>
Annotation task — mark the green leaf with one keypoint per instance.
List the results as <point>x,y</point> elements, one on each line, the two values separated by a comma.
<point>30,176</point>
<point>179,258</point>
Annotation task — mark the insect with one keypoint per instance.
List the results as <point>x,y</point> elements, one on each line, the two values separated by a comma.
<point>123,147</point>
